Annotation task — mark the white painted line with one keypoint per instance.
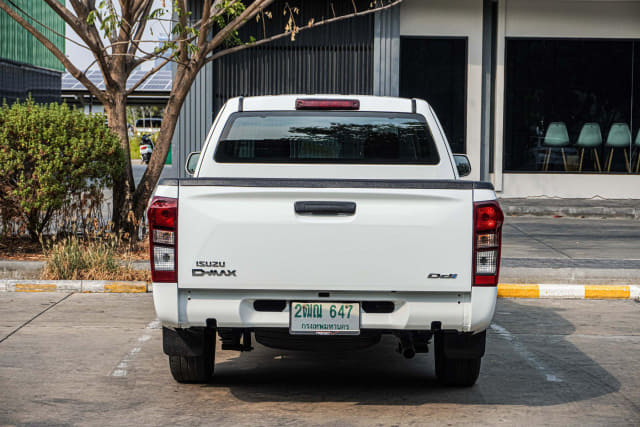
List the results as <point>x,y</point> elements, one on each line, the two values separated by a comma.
<point>561,291</point>
<point>121,369</point>
<point>634,291</point>
<point>526,354</point>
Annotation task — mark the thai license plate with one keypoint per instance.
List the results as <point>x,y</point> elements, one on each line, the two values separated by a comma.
<point>324,318</point>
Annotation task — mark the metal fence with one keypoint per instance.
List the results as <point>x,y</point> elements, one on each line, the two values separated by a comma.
<point>18,81</point>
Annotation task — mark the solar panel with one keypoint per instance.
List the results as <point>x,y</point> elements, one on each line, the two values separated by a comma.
<point>161,80</point>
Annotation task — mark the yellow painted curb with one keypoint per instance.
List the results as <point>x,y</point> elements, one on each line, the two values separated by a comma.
<point>543,290</point>
<point>125,287</point>
<point>518,291</point>
<point>604,291</point>
<point>36,287</point>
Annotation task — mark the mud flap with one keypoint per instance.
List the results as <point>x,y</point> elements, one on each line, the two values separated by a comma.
<point>183,342</point>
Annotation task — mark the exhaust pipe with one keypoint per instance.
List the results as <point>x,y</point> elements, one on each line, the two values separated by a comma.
<point>405,347</point>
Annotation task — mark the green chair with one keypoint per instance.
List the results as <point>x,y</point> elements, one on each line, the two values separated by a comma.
<point>619,137</point>
<point>556,137</point>
<point>637,144</point>
<point>590,138</point>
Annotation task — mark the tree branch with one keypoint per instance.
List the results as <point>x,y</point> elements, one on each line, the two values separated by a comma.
<point>75,72</point>
<point>88,33</point>
<point>221,35</point>
<point>206,18</point>
<point>140,16</point>
<point>147,75</point>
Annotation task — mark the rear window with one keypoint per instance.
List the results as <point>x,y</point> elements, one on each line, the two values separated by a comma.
<point>326,137</point>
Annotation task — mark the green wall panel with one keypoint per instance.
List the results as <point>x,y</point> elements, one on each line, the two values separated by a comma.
<point>17,44</point>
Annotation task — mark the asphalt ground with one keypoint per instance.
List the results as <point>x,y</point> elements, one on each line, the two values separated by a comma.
<point>96,359</point>
<point>581,242</point>
<point>562,250</point>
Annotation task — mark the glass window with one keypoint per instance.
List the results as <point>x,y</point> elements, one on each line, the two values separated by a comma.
<point>326,137</point>
<point>571,105</point>
<point>435,69</point>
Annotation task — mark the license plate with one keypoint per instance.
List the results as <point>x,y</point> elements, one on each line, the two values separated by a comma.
<point>324,318</point>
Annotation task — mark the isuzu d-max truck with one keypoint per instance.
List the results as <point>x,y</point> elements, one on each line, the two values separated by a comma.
<point>321,223</point>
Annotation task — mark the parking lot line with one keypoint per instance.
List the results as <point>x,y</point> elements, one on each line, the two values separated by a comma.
<point>121,369</point>
<point>526,354</point>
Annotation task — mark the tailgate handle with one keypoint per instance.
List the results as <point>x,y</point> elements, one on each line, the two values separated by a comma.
<point>325,208</point>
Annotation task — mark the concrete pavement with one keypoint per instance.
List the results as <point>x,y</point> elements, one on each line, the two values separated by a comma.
<point>96,359</point>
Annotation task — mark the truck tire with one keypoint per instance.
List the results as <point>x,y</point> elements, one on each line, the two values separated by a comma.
<point>455,372</point>
<point>195,369</point>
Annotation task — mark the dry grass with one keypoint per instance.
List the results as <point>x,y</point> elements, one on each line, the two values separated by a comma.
<point>71,259</point>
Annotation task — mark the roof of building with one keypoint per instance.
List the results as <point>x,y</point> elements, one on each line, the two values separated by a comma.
<point>159,82</point>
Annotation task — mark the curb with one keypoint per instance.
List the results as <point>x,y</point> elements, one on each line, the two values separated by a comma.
<point>84,286</point>
<point>505,290</point>
<point>576,208</point>
<point>568,291</point>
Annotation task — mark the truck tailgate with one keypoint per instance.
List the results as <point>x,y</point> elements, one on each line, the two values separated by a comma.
<point>398,239</point>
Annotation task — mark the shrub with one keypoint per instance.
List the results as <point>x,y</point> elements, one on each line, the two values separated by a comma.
<point>52,156</point>
<point>134,147</point>
<point>72,259</point>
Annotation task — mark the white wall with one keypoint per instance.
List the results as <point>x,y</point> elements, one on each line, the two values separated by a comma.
<point>454,18</point>
<point>554,19</point>
<point>572,186</point>
<point>570,18</point>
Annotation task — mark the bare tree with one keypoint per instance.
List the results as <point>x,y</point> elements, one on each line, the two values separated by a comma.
<point>113,33</point>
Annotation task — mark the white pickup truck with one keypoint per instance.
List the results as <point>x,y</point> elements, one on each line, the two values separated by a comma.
<point>321,223</point>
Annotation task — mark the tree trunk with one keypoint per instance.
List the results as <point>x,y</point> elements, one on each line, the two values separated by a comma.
<point>182,84</point>
<point>123,184</point>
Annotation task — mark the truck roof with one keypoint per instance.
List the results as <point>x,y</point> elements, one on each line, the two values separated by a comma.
<point>288,102</point>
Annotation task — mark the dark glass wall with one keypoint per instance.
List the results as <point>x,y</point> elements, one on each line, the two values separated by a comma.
<point>435,69</point>
<point>571,106</point>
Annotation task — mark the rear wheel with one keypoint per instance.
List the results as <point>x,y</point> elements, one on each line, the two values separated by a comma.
<point>455,372</point>
<point>195,369</point>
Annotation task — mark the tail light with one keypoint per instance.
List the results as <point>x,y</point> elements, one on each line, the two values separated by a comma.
<point>487,242</point>
<point>163,228</point>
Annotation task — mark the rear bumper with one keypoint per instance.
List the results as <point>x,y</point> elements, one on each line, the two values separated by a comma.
<point>465,312</point>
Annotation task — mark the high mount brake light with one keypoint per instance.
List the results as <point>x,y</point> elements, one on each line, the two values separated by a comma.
<point>487,242</point>
<point>163,228</point>
<point>327,104</point>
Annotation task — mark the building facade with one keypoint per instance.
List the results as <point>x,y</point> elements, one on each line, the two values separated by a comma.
<point>544,96</point>
<point>26,66</point>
